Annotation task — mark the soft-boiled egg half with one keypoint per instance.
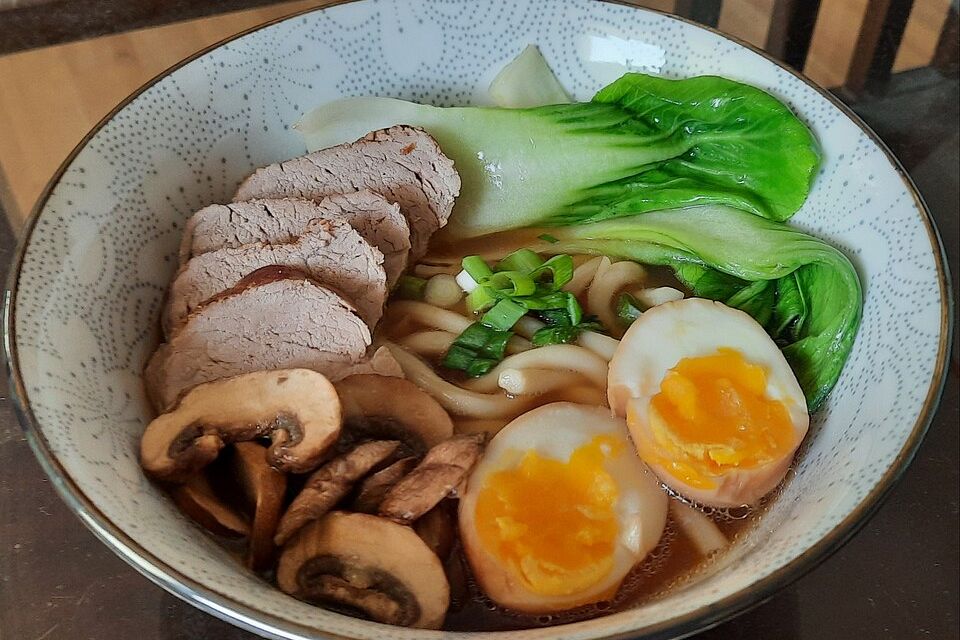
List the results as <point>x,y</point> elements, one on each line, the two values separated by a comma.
<point>559,510</point>
<point>710,401</point>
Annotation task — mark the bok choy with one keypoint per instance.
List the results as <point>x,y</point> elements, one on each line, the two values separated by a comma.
<point>643,143</point>
<point>803,291</point>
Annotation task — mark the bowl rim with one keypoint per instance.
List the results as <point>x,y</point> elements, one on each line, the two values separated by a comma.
<point>230,610</point>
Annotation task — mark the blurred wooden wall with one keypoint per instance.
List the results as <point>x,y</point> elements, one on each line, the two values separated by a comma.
<point>50,97</point>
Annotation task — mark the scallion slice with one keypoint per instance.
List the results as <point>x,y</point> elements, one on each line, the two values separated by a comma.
<point>410,288</point>
<point>628,309</point>
<point>560,269</point>
<point>477,268</point>
<point>512,284</point>
<point>504,315</point>
<point>522,260</point>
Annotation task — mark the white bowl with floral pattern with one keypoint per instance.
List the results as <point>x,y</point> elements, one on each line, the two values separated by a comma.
<point>86,290</point>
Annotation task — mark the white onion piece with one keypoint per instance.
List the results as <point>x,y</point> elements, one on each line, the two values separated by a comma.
<point>442,290</point>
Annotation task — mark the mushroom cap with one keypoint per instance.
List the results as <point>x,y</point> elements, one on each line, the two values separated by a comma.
<point>197,499</point>
<point>374,487</point>
<point>436,527</point>
<point>264,489</point>
<point>366,563</point>
<point>390,407</point>
<point>298,408</point>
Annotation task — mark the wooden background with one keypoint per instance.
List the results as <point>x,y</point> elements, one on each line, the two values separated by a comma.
<point>50,97</point>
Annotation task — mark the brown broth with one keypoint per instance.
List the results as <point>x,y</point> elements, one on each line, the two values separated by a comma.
<point>674,562</point>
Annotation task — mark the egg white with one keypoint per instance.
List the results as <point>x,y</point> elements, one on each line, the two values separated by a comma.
<point>695,327</point>
<point>555,431</point>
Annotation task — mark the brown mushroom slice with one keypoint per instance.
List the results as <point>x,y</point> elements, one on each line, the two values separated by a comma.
<point>435,528</point>
<point>375,486</point>
<point>376,406</point>
<point>263,489</point>
<point>197,499</point>
<point>442,470</point>
<point>330,483</point>
<point>297,408</point>
<point>369,565</point>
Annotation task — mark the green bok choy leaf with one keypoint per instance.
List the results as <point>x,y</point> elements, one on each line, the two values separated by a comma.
<point>804,292</point>
<point>644,143</point>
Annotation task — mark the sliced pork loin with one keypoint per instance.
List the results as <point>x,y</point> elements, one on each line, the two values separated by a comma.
<point>275,318</point>
<point>330,251</point>
<point>403,164</point>
<point>275,221</point>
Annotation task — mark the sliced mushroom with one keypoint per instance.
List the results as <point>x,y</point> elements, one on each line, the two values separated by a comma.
<point>435,528</point>
<point>375,486</point>
<point>297,408</point>
<point>330,483</point>
<point>366,565</point>
<point>386,407</point>
<point>197,499</point>
<point>442,470</point>
<point>263,489</point>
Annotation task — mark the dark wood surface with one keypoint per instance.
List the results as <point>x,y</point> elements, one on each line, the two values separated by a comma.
<point>56,21</point>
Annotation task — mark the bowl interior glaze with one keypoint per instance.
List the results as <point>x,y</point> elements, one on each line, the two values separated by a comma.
<point>97,256</point>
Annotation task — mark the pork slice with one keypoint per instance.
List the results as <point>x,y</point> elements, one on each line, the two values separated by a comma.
<point>403,164</point>
<point>274,221</point>
<point>276,318</point>
<point>330,251</point>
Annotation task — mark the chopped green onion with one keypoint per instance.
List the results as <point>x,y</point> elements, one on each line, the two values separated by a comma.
<point>522,260</point>
<point>410,288</point>
<point>477,349</point>
<point>480,366</point>
<point>556,300</point>
<point>458,357</point>
<point>546,237</point>
<point>555,317</point>
<point>480,299</point>
<point>560,269</point>
<point>574,310</point>
<point>504,315</point>
<point>628,309</point>
<point>512,283</point>
<point>474,337</point>
<point>554,335</point>
<point>477,268</point>
<point>496,345</point>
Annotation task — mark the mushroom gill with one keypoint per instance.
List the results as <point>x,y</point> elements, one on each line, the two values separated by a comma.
<point>368,565</point>
<point>438,475</point>
<point>375,486</point>
<point>330,483</point>
<point>297,408</point>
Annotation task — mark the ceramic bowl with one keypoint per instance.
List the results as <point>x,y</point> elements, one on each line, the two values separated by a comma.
<point>86,290</point>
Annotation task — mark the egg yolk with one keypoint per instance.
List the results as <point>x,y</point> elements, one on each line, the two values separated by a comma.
<point>712,415</point>
<point>551,521</point>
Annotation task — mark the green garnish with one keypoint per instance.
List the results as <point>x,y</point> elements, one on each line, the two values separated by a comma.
<point>410,288</point>
<point>521,283</point>
<point>628,309</point>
